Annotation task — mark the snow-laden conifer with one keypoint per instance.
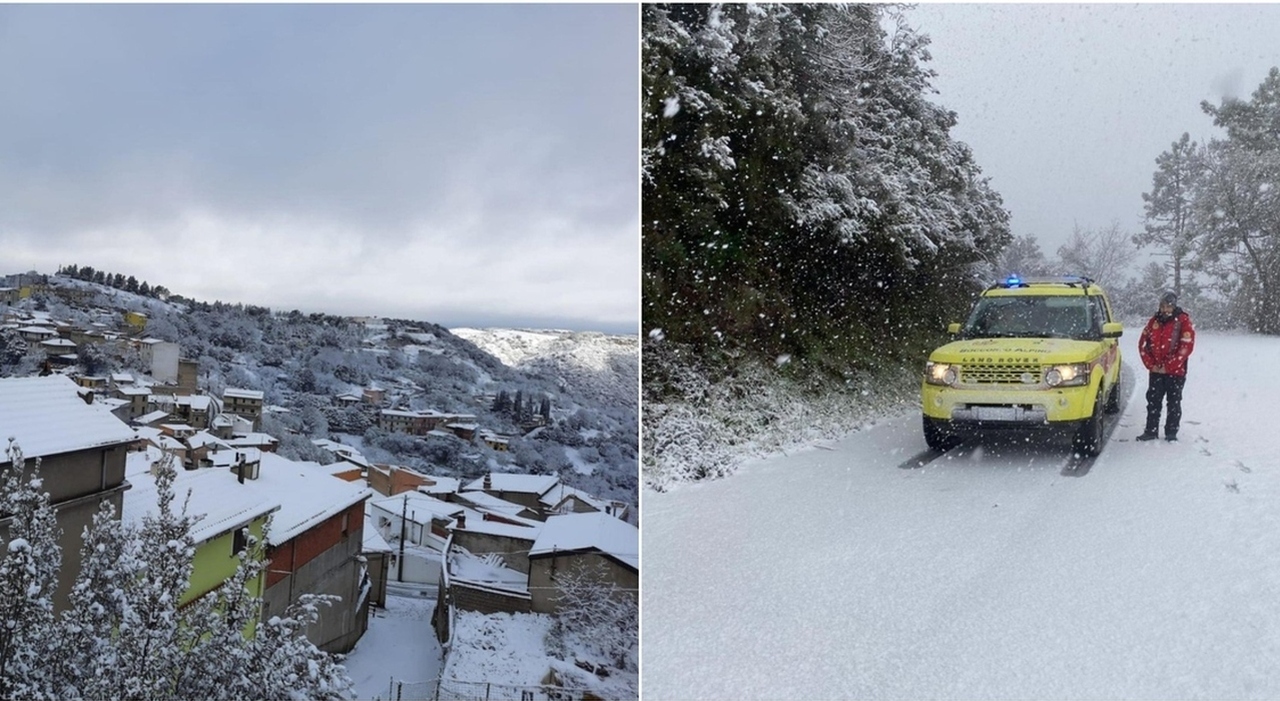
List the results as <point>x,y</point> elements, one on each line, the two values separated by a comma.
<point>124,635</point>
<point>29,566</point>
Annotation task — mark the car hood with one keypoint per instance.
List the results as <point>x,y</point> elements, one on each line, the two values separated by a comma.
<point>1016,351</point>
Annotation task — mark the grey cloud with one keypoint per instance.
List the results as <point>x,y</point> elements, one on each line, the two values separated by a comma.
<point>359,113</point>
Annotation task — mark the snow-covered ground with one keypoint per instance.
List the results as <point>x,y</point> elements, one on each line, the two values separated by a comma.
<point>509,650</point>
<point>991,572</point>
<point>399,643</point>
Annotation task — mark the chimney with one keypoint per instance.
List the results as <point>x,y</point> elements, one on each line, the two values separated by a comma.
<point>240,468</point>
<point>488,481</point>
<point>462,521</point>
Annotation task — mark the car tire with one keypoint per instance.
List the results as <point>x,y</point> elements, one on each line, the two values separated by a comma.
<point>1113,398</point>
<point>938,439</point>
<point>1088,439</point>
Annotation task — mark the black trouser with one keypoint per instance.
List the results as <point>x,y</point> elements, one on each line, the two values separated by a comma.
<point>1159,386</point>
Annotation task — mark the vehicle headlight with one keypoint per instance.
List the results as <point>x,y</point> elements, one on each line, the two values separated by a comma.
<point>1067,375</point>
<point>941,373</point>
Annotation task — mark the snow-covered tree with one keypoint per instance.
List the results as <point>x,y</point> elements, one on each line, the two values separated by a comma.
<point>89,652</point>
<point>802,195</point>
<point>1239,212</point>
<point>595,619</point>
<point>124,635</point>
<point>1168,206</point>
<point>29,567</point>
<point>1023,257</point>
<point>1101,254</point>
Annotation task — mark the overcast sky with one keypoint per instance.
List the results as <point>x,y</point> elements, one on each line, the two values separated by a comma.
<point>461,164</point>
<point>1067,106</point>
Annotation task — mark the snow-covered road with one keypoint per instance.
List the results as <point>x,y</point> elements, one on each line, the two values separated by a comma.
<point>987,573</point>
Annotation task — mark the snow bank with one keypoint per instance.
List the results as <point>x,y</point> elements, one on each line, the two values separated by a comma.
<point>705,429</point>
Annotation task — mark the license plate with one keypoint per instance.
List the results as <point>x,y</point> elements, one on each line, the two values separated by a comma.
<point>997,413</point>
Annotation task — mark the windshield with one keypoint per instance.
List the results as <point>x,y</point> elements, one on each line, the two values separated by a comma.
<point>1033,317</point>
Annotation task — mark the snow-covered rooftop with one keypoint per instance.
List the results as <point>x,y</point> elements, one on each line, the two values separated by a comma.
<point>443,485</point>
<point>510,482</point>
<point>250,439</point>
<point>47,416</point>
<point>202,438</point>
<point>558,494</point>
<point>141,460</point>
<point>345,452</point>
<point>401,412</point>
<point>198,402</point>
<point>485,570</point>
<point>230,456</point>
<point>475,522</point>
<point>594,531</point>
<point>373,540</point>
<point>157,415</point>
<point>308,494</point>
<point>216,497</point>
<point>243,393</point>
<point>417,507</point>
<point>483,501</point>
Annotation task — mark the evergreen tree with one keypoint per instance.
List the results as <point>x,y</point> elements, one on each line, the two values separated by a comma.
<point>501,402</point>
<point>1169,204</point>
<point>1023,257</point>
<point>1237,207</point>
<point>28,579</point>
<point>799,190</point>
<point>124,636</point>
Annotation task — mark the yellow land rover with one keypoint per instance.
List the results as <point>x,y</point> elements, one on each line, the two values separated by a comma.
<point>1036,355</point>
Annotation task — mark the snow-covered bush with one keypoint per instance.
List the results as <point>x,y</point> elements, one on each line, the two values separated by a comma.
<point>698,427</point>
<point>596,622</point>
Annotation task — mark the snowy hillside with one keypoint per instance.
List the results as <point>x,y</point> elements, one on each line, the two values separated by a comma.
<point>303,362</point>
<point>593,364</point>
<point>861,569</point>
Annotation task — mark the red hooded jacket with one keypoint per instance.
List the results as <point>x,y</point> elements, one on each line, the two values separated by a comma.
<point>1168,343</point>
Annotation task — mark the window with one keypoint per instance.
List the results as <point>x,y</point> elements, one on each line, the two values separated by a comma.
<point>345,523</point>
<point>239,541</point>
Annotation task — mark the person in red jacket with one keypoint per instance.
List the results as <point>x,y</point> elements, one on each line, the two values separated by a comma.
<point>1166,342</point>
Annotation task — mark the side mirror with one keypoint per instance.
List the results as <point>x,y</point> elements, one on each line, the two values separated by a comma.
<point>1112,330</point>
<point>954,328</point>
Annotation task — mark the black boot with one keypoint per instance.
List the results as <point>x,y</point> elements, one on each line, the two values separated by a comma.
<point>1170,435</point>
<point>1147,436</point>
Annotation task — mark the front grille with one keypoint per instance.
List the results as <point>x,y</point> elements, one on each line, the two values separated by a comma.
<point>988,374</point>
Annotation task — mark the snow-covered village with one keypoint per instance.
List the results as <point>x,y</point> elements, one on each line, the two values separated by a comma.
<point>482,576</point>
<point>319,352</point>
